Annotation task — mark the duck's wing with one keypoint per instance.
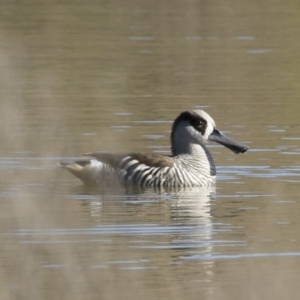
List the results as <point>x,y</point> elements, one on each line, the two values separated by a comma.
<point>121,161</point>
<point>136,168</point>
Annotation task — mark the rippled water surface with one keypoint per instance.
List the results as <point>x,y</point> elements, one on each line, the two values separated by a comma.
<point>112,76</point>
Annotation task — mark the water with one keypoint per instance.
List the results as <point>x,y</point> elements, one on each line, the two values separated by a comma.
<point>112,76</point>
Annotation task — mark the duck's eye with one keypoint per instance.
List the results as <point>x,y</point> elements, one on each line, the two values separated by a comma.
<point>199,124</point>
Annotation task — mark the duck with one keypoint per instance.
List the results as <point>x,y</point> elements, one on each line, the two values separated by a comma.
<point>190,163</point>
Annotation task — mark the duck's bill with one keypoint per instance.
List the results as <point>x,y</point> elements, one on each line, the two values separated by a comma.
<point>222,139</point>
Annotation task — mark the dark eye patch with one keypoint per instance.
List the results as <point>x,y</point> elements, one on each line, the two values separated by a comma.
<point>199,124</point>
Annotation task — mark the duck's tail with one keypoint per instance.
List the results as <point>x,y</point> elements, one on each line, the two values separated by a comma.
<point>87,170</point>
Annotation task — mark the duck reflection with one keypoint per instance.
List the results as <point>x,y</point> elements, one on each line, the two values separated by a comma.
<point>165,226</point>
<point>184,205</point>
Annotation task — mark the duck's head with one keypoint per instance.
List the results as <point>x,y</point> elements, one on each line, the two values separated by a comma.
<point>197,126</point>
